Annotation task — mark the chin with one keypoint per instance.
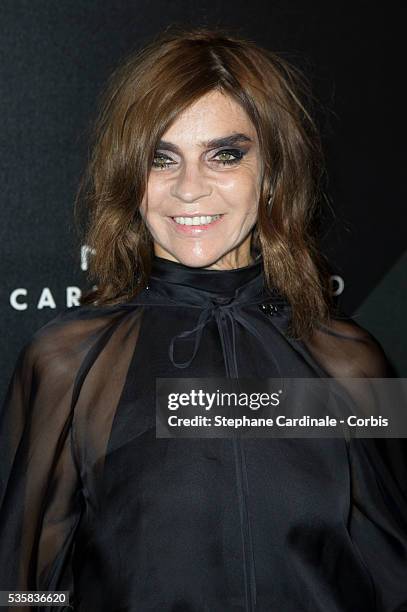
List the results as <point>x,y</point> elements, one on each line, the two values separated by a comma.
<point>197,261</point>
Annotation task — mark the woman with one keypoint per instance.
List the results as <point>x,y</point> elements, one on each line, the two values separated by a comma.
<point>200,125</point>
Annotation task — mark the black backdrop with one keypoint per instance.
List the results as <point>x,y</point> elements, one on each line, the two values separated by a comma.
<point>55,57</point>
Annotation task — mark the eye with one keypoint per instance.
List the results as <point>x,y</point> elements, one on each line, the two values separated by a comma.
<point>229,156</point>
<point>162,161</point>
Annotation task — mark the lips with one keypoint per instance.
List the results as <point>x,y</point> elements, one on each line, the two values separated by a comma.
<point>193,230</point>
<point>196,215</point>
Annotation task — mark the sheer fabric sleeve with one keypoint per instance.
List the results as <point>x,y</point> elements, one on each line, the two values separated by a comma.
<point>40,491</point>
<point>41,494</point>
<point>377,522</point>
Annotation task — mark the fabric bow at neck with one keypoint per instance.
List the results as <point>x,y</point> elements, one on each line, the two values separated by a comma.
<point>223,310</point>
<point>199,288</point>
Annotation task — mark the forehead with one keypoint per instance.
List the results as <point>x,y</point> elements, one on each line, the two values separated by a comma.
<point>213,115</point>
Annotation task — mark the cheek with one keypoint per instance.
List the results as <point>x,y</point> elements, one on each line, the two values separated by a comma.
<point>242,189</point>
<point>157,185</point>
<point>245,177</point>
<point>153,197</point>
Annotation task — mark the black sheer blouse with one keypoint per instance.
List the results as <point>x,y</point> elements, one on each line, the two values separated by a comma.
<point>92,502</point>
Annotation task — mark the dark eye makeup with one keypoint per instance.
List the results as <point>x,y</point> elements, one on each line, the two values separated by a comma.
<point>238,154</point>
<point>234,157</point>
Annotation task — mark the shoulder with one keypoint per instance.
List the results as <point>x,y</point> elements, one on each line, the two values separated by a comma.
<point>345,348</point>
<point>61,344</point>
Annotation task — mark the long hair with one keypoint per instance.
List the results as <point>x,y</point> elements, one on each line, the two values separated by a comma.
<point>143,96</point>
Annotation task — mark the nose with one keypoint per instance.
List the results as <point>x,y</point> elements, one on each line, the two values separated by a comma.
<point>190,184</point>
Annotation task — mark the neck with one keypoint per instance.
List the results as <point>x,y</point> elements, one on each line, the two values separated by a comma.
<point>239,257</point>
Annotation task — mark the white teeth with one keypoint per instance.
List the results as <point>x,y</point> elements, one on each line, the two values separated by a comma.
<point>204,220</point>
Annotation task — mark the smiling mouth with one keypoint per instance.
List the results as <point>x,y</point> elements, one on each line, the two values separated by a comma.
<point>196,220</point>
<point>197,215</point>
<point>196,223</point>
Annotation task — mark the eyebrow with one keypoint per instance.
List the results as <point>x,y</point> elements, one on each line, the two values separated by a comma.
<point>224,141</point>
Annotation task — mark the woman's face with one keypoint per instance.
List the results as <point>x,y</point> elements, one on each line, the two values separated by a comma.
<point>207,163</point>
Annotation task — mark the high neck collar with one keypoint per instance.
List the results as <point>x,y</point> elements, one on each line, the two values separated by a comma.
<point>221,295</point>
<point>222,282</point>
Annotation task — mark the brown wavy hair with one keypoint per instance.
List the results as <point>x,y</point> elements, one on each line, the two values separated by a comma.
<point>143,96</point>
